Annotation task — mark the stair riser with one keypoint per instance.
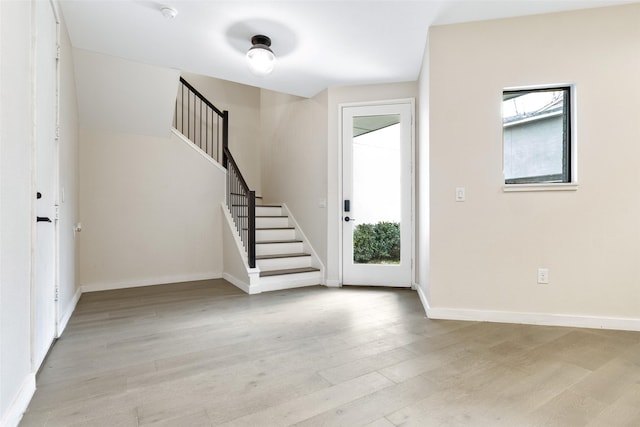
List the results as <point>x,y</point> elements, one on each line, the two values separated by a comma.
<point>278,248</point>
<point>266,222</point>
<point>275,235</point>
<point>268,211</point>
<point>284,263</point>
<point>288,281</point>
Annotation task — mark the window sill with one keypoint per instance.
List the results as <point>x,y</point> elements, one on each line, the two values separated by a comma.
<point>570,186</point>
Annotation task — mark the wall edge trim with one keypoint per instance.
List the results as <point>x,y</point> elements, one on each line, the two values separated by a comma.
<point>64,320</point>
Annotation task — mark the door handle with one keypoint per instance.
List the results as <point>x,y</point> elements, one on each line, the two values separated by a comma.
<point>43,219</point>
<point>347,219</point>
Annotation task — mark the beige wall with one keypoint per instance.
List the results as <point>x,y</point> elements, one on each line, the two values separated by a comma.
<point>294,160</point>
<point>120,95</point>
<point>337,96</point>
<point>150,211</point>
<point>243,104</point>
<point>485,252</point>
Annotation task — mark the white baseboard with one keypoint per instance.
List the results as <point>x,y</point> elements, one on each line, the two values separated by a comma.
<point>62,323</point>
<point>245,287</point>
<point>546,319</point>
<point>333,283</point>
<point>106,286</point>
<point>13,415</point>
<point>423,300</point>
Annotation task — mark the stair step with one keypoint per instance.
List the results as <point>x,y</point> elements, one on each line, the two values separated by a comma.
<point>276,247</point>
<point>275,228</point>
<point>269,242</point>
<point>275,233</point>
<point>271,228</point>
<point>268,221</point>
<point>264,216</point>
<point>288,271</point>
<point>275,256</point>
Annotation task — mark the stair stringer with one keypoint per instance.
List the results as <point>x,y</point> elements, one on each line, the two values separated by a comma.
<point>315,259</point>
<point>236,268</point>
<point>197,149</point>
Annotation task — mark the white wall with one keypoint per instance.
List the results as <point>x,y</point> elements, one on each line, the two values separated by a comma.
<point>294,160</point>
<point>150,211</point>
<point>243,104</point>
<point>485,252</point>
<point>17,24</point>
<point>16,211</point>
<point>337,96</point>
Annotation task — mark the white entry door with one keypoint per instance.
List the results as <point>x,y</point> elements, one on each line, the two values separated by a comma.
<point>46,163</point>
<point>377,194</point>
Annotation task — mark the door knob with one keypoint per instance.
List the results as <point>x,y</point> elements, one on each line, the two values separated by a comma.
<point>347,219</point>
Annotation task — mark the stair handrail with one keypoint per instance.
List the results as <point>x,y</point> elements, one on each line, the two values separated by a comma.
<point>202,122</point>
<point>241,202</point>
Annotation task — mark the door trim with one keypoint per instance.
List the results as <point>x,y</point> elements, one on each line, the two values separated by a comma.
<point>340,198</point>
<point>35,366</point>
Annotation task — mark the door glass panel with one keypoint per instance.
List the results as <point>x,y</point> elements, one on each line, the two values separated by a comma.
<point>376,204</point>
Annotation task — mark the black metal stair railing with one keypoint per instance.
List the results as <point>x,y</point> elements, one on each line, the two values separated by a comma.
<point>208,128</point>
<point>200,121</point>
<point>242,205</point>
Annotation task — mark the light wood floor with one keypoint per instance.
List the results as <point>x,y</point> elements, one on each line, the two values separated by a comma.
<point>204,353</point>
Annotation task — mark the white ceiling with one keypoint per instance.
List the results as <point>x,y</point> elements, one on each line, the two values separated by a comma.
<point>318,44</point>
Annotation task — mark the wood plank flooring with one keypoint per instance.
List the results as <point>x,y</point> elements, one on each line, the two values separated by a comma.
<point>204,353</point>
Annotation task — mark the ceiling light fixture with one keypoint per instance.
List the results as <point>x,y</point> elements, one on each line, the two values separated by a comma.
<point>260,57</point>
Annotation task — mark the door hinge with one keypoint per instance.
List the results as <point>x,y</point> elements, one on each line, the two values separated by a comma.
<point>57,133</point>
<point>58,52</point>
<point>57,293</point>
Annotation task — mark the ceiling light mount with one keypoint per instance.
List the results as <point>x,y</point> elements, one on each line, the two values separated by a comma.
<point>168,12</point>
<point>260,56</point>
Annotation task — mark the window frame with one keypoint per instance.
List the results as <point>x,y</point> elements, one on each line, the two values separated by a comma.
<point>569,174</point>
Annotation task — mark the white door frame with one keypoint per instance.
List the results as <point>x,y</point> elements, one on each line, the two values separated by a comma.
<point>340,199</point>
<point>35,364</point>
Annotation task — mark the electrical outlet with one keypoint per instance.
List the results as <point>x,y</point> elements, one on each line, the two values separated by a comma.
<point>543,276</point>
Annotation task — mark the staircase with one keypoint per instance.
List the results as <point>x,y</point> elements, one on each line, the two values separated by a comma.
<point>265,249</point>
<point>280,251</point>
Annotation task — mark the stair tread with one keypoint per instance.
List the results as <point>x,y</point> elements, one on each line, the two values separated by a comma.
<point>263,242</point>
<point>288,271</point>
<point>272,228</point>
<point>271,216</point>
<point>275,256</point>
<point>269,206</point>
<point>275,228</point>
